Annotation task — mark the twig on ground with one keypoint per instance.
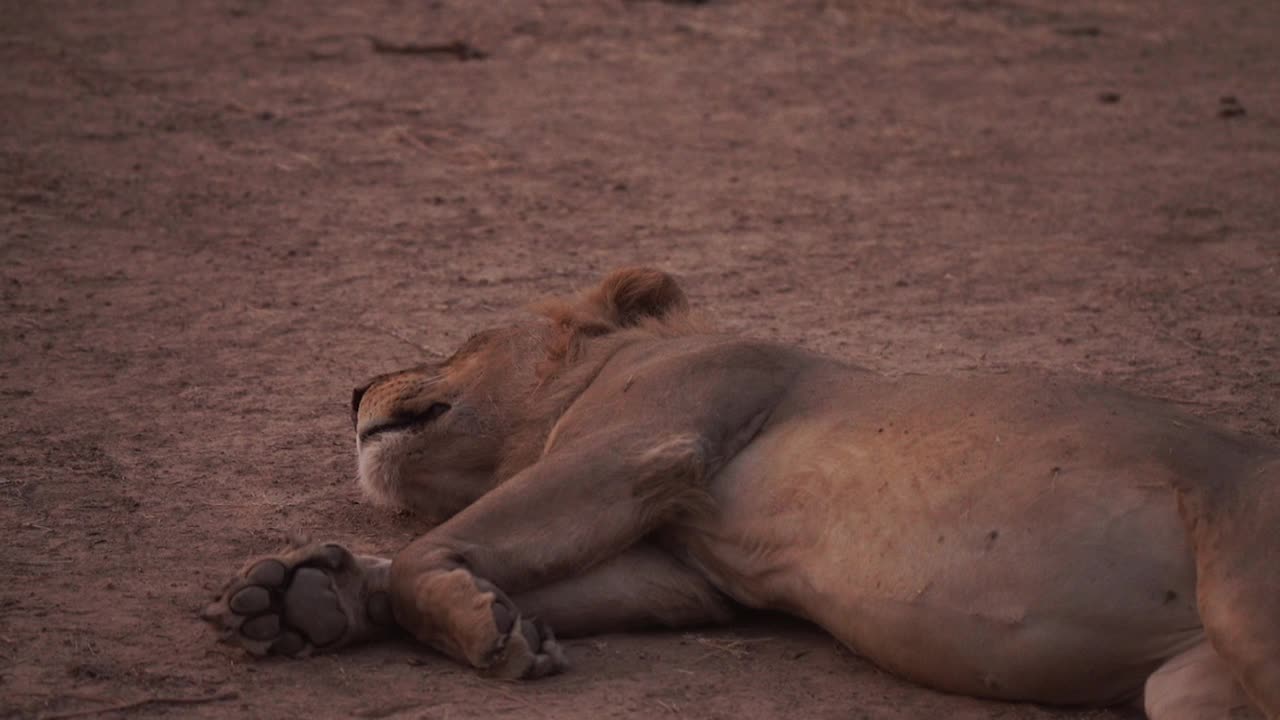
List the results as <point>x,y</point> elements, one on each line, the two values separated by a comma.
<point>1194,346</point>
<point>154,700</point>
<point>737,649</point>
<point>387,710</point>
<point>517,699</point>
<point>1178,401</point>
<point>463,51</point>
<point>401,337</point>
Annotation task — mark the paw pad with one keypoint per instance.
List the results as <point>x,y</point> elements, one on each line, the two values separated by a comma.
<point>251,600</point>
<point>308,598</point>
<point>269,573</point>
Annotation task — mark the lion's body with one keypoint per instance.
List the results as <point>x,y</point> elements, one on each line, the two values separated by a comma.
<point>1010,536</point>
<point>1003,536</point>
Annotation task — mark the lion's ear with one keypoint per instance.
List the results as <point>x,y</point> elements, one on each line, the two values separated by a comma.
<point>628,296</point>
<point>624,299</point>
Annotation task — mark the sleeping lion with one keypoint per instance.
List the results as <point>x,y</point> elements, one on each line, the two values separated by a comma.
<point>610,464</point>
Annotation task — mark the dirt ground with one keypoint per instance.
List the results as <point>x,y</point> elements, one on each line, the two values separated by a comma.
<point>220,215</point>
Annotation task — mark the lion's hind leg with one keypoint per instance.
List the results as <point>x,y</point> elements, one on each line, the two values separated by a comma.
<point>314,598</point>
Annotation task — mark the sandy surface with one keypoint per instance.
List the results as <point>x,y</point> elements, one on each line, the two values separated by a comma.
<point>219,216</point>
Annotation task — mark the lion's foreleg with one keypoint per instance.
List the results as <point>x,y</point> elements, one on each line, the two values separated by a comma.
<point>1238,575</point>
<point>578,506</point>
<point>1195,685</point>
<point>644,587</point>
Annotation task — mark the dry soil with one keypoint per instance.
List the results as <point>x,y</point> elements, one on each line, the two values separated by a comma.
<point>217,216</point>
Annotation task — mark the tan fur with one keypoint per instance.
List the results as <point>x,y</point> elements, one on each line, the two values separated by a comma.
<point>612,463</point>
<point>458,590</point>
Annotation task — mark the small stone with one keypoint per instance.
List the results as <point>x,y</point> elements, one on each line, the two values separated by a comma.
<point>1230,107</point>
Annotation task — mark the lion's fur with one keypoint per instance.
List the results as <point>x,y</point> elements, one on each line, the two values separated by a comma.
<point>557,359</point>
<point>617,416</point>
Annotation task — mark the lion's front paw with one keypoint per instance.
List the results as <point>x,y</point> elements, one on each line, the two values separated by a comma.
<point>313,598</point>
<point>525,648</point>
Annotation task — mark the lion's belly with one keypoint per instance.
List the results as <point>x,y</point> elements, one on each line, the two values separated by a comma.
<point>969,571</point>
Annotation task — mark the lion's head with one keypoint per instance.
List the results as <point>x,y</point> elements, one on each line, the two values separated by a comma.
<point>436,437</point>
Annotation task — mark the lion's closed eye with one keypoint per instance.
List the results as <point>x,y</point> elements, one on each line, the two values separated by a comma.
<point>405,422</point>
